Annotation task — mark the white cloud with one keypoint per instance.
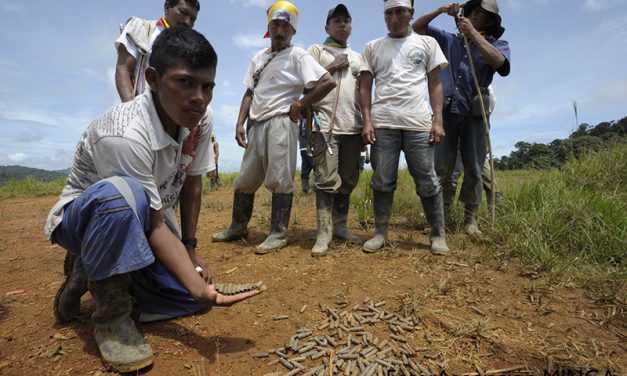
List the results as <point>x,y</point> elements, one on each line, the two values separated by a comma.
<point>254,3</point>
<point>597,5</point>
<point>17,157</point>
<point>225,116</point>
<point>30,135</point>
<point>251,39</point>
<point>611,92</point>
<point>12,7</point>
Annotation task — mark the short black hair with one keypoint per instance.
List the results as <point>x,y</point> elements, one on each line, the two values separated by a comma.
<point>181,44</point>
<point>193,3</point>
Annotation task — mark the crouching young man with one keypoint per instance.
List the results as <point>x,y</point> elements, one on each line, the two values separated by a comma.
<point>404,66</point>
<point>115,216</point>
<point>275,80</point>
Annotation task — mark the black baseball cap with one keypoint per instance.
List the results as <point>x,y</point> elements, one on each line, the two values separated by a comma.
<point>339,9</point>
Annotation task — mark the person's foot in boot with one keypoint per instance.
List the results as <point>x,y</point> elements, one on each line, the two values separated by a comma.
<point>470,221</point>
<point>67,302</point>
<point>382,212</point>
<point>281,209</point>
<point>324,205</point>
<point>434,211</point>
<point>242,211</point>
<point>304,183</point>
<point>341,204</point>
<point>122,348</point>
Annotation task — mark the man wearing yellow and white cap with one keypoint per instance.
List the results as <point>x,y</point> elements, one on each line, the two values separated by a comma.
<point>480,23</point>
<point>404,66</point>
<point>275,81</point>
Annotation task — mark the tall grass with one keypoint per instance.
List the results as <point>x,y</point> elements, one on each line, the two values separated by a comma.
<point>569,225</point>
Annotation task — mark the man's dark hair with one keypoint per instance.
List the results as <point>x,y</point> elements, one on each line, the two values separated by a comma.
<point>182,45</point>
<point>193,3</point>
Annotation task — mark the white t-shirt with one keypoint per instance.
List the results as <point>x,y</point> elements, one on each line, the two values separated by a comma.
<point>139,69</point>
<point>281,82</point>
<point>400,67</point>
<point>347,115</point>
<point>129,140</point>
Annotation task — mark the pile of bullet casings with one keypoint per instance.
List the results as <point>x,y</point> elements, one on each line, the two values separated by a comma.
<point>342,345</point>
<point>234,289</point>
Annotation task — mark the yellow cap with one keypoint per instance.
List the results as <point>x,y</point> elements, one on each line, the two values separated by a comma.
<point>283,10</point>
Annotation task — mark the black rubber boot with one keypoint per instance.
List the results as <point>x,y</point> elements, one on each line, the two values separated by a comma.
<point>305,185</point>
<point>242,211</point>
<point>341,204</point>
<point>382,212</point>
<point>324,205</point>
<point>67,302</point>
<point>434,211</point>
<point>281,210</point>
<point>122,347</point>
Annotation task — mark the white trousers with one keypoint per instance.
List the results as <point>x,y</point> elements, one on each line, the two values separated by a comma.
<point>270,158</point>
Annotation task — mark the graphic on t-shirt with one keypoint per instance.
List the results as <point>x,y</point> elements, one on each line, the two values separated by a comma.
<point>416,56</point>
<point>355,69</point>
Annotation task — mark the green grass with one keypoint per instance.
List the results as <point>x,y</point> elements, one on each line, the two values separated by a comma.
<point>566,226</point>
<point>30,187</point>
<point>569,225</point>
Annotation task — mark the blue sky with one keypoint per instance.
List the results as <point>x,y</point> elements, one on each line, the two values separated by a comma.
<point>58,58</point>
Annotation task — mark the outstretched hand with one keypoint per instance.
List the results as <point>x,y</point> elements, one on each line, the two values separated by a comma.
<point>219,300</point>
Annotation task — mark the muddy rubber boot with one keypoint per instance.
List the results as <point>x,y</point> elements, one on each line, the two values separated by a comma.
<point>470,220</point>
<point>434,211</point>
<point>242,211</point>
<point>382,212</point>
<point>341,204</point>
<point>324,205</point>
<point>122,347</point>
<point>67,302</point>
<point>305,185</point>
<point>281,209</point>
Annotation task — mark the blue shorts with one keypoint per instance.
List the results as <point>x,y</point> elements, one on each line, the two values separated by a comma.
<point>106,226</point>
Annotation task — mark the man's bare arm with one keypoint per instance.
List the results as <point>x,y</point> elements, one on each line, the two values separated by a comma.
<point>365,102</point>
<point>324,86</point>
<point>123,73</point>
<point>421,24</point>
<point>244,109</point>
<point>190,201</point>
<point>436,97</point>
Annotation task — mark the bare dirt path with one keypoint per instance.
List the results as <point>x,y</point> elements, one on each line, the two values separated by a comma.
<point>471,314</point>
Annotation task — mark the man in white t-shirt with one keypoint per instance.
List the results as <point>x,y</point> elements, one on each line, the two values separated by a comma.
<point>405,66</point>
<point>135,42</point>
<point>336,174</point>
<point>275,81</point>
<point>115,216</point>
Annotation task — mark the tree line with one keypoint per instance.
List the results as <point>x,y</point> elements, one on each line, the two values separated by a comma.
<point>585,139</point>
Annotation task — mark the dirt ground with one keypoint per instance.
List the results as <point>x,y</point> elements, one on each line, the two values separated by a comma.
<point>471,314</point>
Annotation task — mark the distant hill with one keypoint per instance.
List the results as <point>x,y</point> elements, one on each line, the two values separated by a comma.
<point>20,172</point>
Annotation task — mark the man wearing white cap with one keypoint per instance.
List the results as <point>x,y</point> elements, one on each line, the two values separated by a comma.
<point>480,23</point>
<point>337,174</point>
<point>404,66</point>
<point>275,81</point>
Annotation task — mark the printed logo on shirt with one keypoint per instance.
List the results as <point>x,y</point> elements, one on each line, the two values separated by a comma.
<point>416,56</point>
<point>355,69</point>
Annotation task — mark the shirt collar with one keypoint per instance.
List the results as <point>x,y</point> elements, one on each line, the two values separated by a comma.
<point>159,138</point>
